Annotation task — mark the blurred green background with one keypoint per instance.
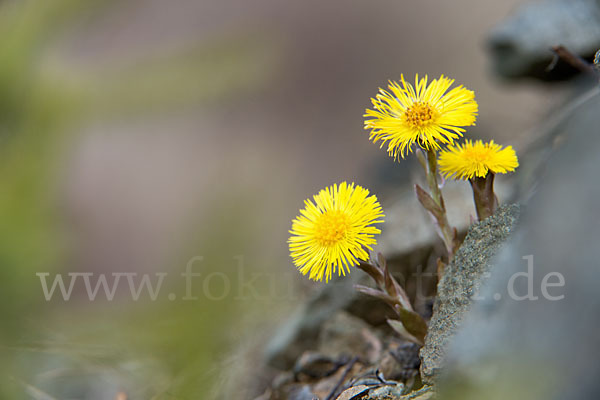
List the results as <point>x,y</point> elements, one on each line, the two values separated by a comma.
<point>138,134</point>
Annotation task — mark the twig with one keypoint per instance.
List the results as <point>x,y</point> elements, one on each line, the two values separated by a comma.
<point>342,378</point>
<point>572,59</point>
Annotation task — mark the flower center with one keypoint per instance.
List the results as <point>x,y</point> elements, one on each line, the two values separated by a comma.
<point>331,227</point>
<point>418,115</point>
<point>480,156</point>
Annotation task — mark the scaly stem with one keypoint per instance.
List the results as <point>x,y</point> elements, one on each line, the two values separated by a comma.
<point>486,201</point>
<point>446,232</point>
<point>389,290</point>
<point>432,179</point>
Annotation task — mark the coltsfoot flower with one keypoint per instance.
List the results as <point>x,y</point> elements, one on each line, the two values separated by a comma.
<point>334,232</point>
<point>475,159</point>
<point>428,115</point>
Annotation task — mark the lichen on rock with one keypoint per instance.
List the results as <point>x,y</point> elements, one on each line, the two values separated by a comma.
<point>461,281</point>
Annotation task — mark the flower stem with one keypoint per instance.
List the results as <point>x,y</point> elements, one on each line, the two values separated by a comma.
<point>412,325</point>
<point>446,232</point>
<point>485,200</point>
<point>432,179</point>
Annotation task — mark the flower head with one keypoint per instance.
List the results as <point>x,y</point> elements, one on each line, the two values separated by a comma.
<point>425,114</point>
<point>334,232</point>
<point>476,159</point>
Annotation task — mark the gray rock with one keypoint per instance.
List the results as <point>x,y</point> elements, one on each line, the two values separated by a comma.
<point>390,392</point>
<point>386,392</point>
<point>426,393</point>
<point>395,392</point>
<point>345,336</point>
<point>353,392</point>
<point>520,45</point>
<point>301,331</point>
<point>532,344</point>
<point>400,362</point>
<point>316,365</point>
<point>299,392</point>
<point>461,281</point>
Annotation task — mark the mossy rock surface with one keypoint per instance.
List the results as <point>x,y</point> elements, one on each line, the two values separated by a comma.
<point>461,281</point>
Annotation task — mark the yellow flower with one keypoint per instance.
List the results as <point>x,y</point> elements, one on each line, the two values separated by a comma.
<point>334,232</point>
<point>476,159</point>
<point>426,114</point>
